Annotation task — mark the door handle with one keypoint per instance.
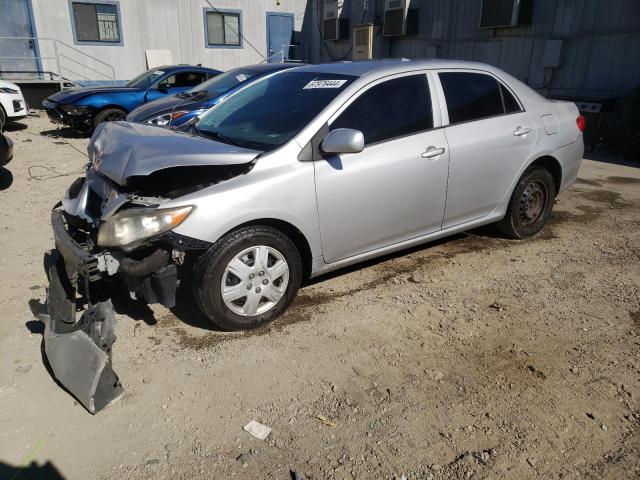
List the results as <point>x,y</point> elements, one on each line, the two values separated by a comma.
<point>433,152</point>
<point>521,131</point>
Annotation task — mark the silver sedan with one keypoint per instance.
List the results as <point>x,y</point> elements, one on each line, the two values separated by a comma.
<point>312,169</point>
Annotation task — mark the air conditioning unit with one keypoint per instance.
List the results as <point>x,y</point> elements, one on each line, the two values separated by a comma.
<point>399,19</point>
<point>334,27</point>
<point>362,42</point>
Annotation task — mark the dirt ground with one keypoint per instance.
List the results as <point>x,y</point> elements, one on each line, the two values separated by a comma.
<point>474,357</point>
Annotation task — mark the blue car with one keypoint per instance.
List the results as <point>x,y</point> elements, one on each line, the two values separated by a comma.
<point>178,109</point>
<point>84,108</point>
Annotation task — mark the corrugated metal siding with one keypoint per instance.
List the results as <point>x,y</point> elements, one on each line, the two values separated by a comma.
<point>600,50</point>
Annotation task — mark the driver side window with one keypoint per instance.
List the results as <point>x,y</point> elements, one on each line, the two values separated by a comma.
<point>391,109</point>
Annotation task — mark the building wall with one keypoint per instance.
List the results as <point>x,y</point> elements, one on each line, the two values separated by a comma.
<point>174,25</point>
<point>600,54</point>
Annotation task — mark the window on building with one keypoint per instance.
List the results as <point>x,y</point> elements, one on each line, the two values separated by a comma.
<point>471,96</point>
<point>223,28</point>
<point>96,22</point>
<point>395,108</point>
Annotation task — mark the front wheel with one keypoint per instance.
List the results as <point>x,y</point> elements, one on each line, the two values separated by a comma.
<point>109,115</point>
<point>249,277</point>
<point>530,205</point>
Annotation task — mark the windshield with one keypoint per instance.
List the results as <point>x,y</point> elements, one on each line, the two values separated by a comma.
<point>146,79</point>
<point>271,111</point>
<point>224,82</point>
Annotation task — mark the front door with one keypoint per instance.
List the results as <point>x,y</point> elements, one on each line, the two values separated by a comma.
<point>279,36</point>
<point>15,21</point>
<point>395,189</point>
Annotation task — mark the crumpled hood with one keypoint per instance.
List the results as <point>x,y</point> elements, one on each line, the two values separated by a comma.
<point>75,94</point>
<point>121,150</point>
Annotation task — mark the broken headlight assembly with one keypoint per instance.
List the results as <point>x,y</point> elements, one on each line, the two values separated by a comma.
<point>131,227</point>
<point>75,109</point>
<point>166,119</point>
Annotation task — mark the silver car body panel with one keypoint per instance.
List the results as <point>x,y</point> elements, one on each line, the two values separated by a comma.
<point>121,150</point>
<point>353,207</point>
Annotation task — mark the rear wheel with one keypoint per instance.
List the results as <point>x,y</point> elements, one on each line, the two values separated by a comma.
<point>530,205</point>
<point>249,277</point>
<point>109,115</point>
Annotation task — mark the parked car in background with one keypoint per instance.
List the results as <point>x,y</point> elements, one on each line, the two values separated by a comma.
<point>12,104</point>
<point>84,108</point>
<point>6,150</point>
<point>310,170</point>
<point>179,109</point>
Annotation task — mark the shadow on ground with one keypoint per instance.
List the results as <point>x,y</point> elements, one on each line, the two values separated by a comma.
<point>14,127</point>
<point>33,471</point>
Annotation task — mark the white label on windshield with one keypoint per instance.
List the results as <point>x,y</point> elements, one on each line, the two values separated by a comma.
<point>241,78</point>
<point>324,84</point>
<point>158,72</point>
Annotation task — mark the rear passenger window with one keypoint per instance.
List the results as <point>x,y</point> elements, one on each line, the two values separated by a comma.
<point>471,96</point>
<point>511,105</point>
<point>391,109</point>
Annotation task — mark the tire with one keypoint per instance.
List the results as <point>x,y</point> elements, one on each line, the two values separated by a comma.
<point>244,245</point>
<point>3,119</point>
<point>530,204</point>
<point>109,115</point>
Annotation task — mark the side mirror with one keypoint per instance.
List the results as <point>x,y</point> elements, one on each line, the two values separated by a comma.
<point>163,88</point>
<point>343,140</point>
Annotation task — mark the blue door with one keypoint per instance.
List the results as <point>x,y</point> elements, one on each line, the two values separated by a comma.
<point>279,36</point>
<point>15,21</point>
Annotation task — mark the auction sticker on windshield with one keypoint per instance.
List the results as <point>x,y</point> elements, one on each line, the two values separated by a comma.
<point>324,84</point>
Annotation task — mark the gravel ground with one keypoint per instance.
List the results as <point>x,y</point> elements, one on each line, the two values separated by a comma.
<point>474,357</point>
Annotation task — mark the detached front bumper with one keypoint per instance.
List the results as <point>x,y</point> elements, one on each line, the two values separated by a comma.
<point>79,351</point>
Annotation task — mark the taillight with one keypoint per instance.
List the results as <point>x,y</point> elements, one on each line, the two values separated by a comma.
<point>582,123</point>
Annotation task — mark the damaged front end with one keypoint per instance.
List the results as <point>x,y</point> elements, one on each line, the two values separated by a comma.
<point>113,233</point>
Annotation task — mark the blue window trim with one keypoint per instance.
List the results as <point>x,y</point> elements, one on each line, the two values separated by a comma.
<point>206,31</point>
<point>97,43</point>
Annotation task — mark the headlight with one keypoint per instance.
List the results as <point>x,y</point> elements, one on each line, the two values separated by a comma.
<point>166,119</point>
<point>9,90</point>
<point>131,227</point>
<point>75,109</point>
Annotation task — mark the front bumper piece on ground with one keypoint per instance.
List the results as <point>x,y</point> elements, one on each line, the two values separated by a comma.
<point>79,352</point>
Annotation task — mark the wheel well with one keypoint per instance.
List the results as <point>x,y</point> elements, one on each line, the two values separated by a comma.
<point>553,166</point>
<point>118,107</point>
<point>296,236</point>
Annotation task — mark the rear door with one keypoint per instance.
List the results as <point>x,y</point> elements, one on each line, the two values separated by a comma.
<point>489,135</point>
<point>393,190</point>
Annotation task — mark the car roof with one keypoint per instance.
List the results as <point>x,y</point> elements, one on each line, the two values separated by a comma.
<point>390,65</point>
<point>176,68</point>
<point>268,67</point>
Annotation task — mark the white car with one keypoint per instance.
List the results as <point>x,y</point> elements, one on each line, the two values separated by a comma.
<point>12,104</point>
